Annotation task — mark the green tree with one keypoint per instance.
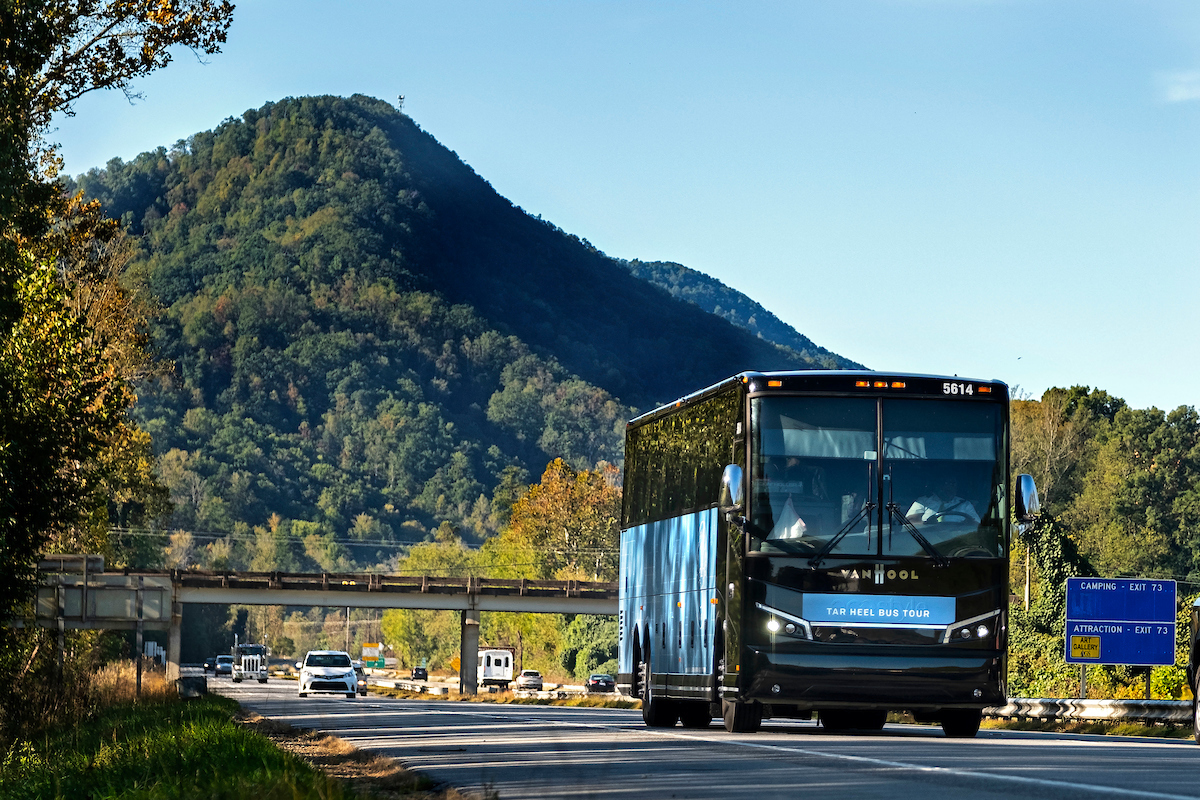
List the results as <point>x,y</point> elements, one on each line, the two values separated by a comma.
<point>60,404</point>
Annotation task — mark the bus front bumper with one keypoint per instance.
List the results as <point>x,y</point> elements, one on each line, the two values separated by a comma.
<point>916,682</point>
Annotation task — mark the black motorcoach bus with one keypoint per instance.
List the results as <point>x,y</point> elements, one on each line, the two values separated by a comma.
<point>826,541</point>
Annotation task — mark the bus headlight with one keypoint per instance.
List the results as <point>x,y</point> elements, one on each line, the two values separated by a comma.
<point>790,628</point>
<point>773,625</point>
<point>982,631</point>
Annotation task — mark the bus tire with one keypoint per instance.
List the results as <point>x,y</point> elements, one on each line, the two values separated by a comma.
<point>741,717</point>
<point>694,714</point>
<point>961,723</point>
<point>657,712</point>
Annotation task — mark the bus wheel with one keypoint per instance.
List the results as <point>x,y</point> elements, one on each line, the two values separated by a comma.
<point>694,715</point>
<point>741,717</point>
<point>656,712</point>
<point>961,723</point>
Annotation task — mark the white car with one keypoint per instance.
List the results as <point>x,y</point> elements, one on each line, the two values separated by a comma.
<point>327,672</point>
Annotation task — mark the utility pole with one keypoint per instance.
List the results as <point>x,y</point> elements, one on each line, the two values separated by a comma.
<point>347,629</point>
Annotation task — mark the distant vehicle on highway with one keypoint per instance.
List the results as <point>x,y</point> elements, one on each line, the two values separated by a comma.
<point>250,661</point>
<point>496,668</point>
<point>530,680</point>
<point>361,675</point>
<point>210,663</point>
<point>224,666</point>
<point>599,682</point>
<point>420,674</point>
<point>327,672</point>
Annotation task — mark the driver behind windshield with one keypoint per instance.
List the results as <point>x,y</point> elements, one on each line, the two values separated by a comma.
<point>942,505</point>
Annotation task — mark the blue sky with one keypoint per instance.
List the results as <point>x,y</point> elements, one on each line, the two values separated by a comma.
<point>1000,189</point>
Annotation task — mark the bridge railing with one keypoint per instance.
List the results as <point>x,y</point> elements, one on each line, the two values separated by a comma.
<point>375,582</point>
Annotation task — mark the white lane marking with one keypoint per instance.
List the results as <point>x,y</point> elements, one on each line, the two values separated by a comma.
<point>879,762</point>
<point>948,771</point>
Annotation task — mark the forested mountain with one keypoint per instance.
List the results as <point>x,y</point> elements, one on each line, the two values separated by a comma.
<point>717,298</point>
<point>369,342</point>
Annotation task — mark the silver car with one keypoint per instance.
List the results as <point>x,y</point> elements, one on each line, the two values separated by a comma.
<point>327,672</point>
<point>530,680</point>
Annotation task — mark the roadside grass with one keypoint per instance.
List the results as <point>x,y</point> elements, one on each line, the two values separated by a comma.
<point>161,750</point>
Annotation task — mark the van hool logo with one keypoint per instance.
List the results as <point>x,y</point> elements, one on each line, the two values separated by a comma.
<point>881,574</point>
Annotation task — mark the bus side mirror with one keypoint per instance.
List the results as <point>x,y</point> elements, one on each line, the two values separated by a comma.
<point>732,498</point>
<point>1026,503</point>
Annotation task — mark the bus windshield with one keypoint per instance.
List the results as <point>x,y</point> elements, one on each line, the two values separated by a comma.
<point>942,468</point>
<point>820,485</point>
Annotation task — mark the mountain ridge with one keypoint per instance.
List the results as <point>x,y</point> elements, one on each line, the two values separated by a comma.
<point>371,342</point>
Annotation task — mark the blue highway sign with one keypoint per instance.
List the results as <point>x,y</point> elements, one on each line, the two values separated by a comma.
<point>1120,621</point>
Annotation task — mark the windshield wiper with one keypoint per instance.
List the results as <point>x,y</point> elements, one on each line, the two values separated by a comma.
<point>865,511</point>
<point>819,556</point>
<point>938,559</point>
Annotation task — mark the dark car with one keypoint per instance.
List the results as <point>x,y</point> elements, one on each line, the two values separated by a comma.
<point>599,682</point>
<point>420,674</point>
<point>361,674</point>
<point>224,666</point>
<point>210,664</point>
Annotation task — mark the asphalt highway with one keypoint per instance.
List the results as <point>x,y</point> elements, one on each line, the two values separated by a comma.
<point>550,751</point>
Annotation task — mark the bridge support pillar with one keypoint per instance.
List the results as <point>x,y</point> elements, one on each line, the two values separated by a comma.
<point>468,658</point>
<point>174,640</point>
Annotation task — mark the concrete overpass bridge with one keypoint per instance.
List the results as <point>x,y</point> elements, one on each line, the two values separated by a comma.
<point>75,592</point>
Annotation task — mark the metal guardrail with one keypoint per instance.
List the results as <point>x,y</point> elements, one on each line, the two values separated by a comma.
<point>411,686</point>
<point>1176,711</point>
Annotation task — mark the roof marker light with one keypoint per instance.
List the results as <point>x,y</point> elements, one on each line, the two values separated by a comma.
<point>985,390</point>
<point>897,384</point>
<point>862,384</point>
<point>880,384</point>
<point>774,383</point>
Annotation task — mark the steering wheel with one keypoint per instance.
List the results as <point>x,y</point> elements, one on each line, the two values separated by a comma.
<point>948,516</point>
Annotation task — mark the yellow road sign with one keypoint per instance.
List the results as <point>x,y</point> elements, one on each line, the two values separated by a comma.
<point>1085,647</point>
<point>455,663</point>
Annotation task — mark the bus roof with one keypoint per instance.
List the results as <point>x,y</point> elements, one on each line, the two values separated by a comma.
<point>828,380</point>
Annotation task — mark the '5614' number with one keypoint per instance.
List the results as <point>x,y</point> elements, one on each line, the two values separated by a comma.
<point>957,388</point>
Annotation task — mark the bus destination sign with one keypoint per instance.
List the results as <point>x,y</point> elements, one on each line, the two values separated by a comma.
<point>1120,621</point>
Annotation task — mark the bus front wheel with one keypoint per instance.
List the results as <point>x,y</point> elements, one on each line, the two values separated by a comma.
<point>961,723</point>
<point>741,717</point>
